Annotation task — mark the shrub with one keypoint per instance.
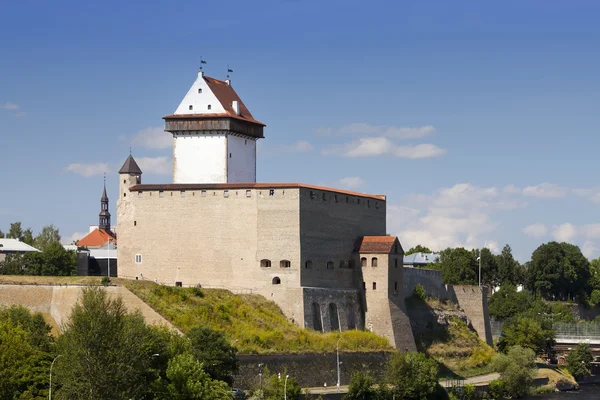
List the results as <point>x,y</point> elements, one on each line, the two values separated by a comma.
<point>517,370</point>
<point>579,361</point>
<point>105,281</point>
<point>496,389</point>
<point>419,292</point>
<point>526,332</point>
<point>411,375</point>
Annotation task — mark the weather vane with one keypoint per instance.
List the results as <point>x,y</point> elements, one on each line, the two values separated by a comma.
<point>228,71</point>
<point>201,62</point>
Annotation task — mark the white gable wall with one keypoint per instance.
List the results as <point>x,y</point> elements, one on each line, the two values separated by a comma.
<point>200,158</point>
<point>200,101</point>
<point>242,159</point>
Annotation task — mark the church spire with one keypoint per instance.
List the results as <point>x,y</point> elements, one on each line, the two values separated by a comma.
<point>104,216</point>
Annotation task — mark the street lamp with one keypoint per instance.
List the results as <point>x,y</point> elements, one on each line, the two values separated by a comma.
<point>285,388</point>
<point>52,365</point>
<point>260,374</point>
<point>337,348</point>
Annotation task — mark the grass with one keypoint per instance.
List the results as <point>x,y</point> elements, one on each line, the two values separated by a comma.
<point>554,375</point>
<point>254,324</point>
<point>49,280</point>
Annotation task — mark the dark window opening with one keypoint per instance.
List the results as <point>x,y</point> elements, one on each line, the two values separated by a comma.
<point>191,107</point>
<point>265,263</point>
<point>134,223</point>
<point>308,264</point>
<point>351,317</point>
<point>342,264</point>
<point>317,323</point>
<point>374,285</point>
<point>179,284</point>
<point>124,194</point>
<point>396,286</point>
<point>363,262</point>
<point>209,106</point>
<point>335,197</point>
<point>364,286</point>
<point>271,192</point>
<point>200,90</point>
<point>276,281</point>
<point>351,264</point>
<point>374,262</point>
<point>324,196</point>
<point>396,263</point>
<point>329,264</point>
<point>334,320</point>
<point>312,195</point>
<point>285,264</point>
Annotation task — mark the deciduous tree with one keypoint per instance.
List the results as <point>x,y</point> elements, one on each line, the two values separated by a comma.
<point>458,266</point>
<point>528,333</point>
<point>188,380</point>
<point>418,249</point>
<point>47,236</point>
<point>517,371</point>
<point>559,271</point>
<point>411,375</point>
<point>579,361</point>
<point>214,351</point>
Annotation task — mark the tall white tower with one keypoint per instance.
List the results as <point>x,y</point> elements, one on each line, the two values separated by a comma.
<point>214,135</point>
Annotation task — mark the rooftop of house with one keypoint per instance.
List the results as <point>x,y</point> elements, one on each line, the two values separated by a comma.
<point>96,238</point>
<point>15,246</point>
<point>233,186</point>
<point>420,258</point>
<point>376,244</point>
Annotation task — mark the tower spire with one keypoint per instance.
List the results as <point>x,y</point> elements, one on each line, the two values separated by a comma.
<point>104,216</point>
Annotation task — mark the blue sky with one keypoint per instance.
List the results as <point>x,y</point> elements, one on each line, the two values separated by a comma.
<point>477,119</point>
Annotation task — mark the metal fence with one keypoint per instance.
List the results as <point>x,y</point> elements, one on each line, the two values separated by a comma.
<point>565,331</point>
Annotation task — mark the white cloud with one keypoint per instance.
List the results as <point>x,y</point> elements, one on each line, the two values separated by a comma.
<point>88,170</point>
<point>153,138</point>
<point>460,215</point>
<point>536,230</point>
<point>545,190</point>
<point>398,132</point>
<point>9,107</point>
<point>377,146</point>
<point>155,165</point>
<point>14,108</point>
<point>298,147</point>
<point>592,194</point>
<point>351,182</point>
<point>565,232</point>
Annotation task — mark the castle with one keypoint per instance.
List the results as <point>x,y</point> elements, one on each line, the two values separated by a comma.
<point>321,254</point>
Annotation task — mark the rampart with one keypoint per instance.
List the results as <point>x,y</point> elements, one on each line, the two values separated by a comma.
<point>472,299</point>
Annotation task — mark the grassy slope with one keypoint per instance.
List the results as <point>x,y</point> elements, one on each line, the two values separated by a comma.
<point>49,280</point>
<point>457,349</point>
<point>254,324</point>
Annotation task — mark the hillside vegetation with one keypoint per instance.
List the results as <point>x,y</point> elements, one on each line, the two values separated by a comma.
<point>254,324</point>
<point>448,339</point>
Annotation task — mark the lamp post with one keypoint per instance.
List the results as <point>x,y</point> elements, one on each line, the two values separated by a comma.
<point>337,348</point>
<point>285,388</point>
<point>52,365</point>
<point>108,257</point>
<point>260,374</point>
<point>479,259</point>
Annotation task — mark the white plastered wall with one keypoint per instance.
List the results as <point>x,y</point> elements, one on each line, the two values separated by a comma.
<point>242,159</point>
<point>200,97</point>
<point>200,158</point>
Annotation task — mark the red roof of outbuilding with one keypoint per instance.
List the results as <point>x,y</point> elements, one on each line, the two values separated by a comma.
<point>96,238</point>
<point>375,244</point>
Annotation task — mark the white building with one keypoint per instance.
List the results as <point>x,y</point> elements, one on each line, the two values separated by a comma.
<point>14,246</point>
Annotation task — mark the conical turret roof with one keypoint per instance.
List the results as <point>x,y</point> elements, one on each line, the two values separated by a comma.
<point>104,196</point>
<point>130,167</point>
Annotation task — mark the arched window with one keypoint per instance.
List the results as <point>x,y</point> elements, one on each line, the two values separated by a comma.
<point>363,262</point>
<point>317,323</point>
<point>334,320</point>
<point>329,264</point>
<point>285,263</point>
<point>342,264</point>
<point>374,262</point>
<point>350,264</point>
<point>307,264</point>
<point>265,263</point>
<point>351,317</point>
<point>276,281</point>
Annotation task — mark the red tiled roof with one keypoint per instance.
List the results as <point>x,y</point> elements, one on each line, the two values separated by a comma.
<point>96,238</point>
<point>226,96</point>
<point>233,186</point>
<point>375,244</point>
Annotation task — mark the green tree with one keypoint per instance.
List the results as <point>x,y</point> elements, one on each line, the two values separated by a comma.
<point>47,236</point>
<point>489,267</point>
<point>24,353</point>
<point>188,380</point>
<point>517,371</point>
<point>1,234</point>
<point>509,269</point>
<point>16,232</point>
<point>459,266</point>
<point>13,264</point>
<point>214,351</point>
<point>107,353</point>
<point>274,385</point>
<point>411,375</point>
<point>507,302</point>
<point>595,274</point>
<point>418,249</point>
<point>362,387</point>
<point>526,332</point>
<point>579,361</point>
<point>559,271</point>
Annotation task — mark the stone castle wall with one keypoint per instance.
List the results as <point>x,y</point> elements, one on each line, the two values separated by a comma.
<point>430,279</point>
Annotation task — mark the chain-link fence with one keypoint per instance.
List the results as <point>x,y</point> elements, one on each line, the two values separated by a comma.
<point>564,331</point>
